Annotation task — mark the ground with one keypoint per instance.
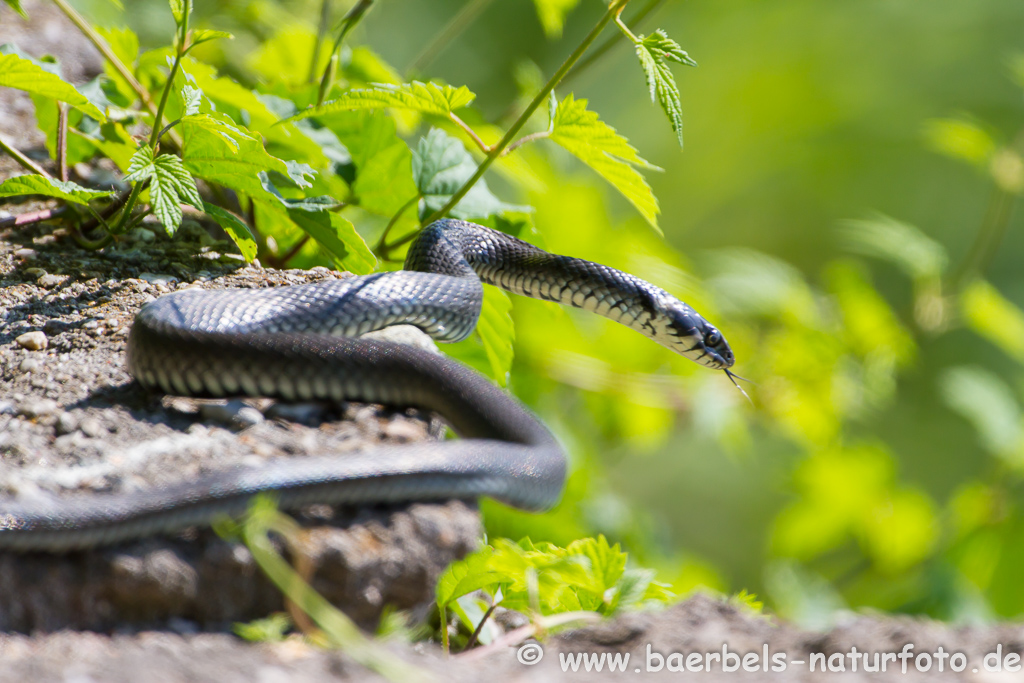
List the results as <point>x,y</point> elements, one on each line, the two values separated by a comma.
<point>72,421</point>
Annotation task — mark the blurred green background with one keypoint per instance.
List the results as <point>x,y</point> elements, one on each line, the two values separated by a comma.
<point>842,211</point>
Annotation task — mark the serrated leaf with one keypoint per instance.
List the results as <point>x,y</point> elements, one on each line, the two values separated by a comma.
<point>235,165</point>
<point>429,98</point>
<point>204,35</point>
<point>597,145</point>
<point>465,576</point>
<point>339,237</point>
<point>28,75</point>
<point>49,187</point>
<point>16,6</point>
<point>552,15</point>
<point>170,185</point>
<point>440,166</point>
<point>607,562</point>
<point>192,97</point>
<point>655,52</point>
<point>217,125</point>
<point>236,228</point>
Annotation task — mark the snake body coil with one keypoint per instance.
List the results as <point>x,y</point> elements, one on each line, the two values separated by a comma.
<point>301,342</point>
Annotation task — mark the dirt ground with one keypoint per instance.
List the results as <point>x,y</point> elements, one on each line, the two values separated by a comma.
<point>71,420</point>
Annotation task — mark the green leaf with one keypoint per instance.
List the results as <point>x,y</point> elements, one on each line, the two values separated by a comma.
<point>235,164</point>
<point>216,124</point>
<point>655,52</point>
<point>192,97</point>
<point>49,187</point>
<point>270,629</point>
<point>986,401</point>
<point>552,15</point>
<point>236,228</point>
<point>597,145</point>
<point>178,10</point>
<point>339,237</point>
<point>170,185</point>
<point>995,318</point>
<point>440,166</point>
<point>490,348</point>
<point>204,35</point>
<point>899,243</point>
<point>465,576</point>
<point>606,562</point>
<point>429,98</point>
<point>960,139</point>
<point>28,75</point>
<point>125,44</point>
<point>16,6</point>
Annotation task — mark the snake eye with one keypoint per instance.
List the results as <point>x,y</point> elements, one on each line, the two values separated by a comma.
<point>713,338</point>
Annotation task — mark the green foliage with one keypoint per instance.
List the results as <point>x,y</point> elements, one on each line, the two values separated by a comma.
<point>552,15</point>
<point>596,144</point>
<point>170,185</point>
<point>270,629</point>
<point>440,166</point>
<point>49,187</point>
<point>542,578</point>
<point>429,98</point>
<point>655,52</point>
<point>16,6</point>
<point>41,79</point>
<point>490,349</point>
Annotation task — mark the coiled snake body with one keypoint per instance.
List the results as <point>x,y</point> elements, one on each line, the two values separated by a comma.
<point>301,342</point>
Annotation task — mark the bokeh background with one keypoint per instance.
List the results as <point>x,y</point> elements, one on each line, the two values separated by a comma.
<point>842,211</point>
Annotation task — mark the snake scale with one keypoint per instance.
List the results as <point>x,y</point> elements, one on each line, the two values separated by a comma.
<point>302,343</point>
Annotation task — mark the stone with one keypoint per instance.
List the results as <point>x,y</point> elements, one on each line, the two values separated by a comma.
<point>33,341</point>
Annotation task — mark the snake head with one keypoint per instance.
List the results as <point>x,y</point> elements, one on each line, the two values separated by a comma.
<point>690,335</point>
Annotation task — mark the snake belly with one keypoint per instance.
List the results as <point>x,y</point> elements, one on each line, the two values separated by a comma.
<point>302,343</point>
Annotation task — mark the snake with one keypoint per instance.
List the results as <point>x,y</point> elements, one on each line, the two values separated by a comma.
<point>304,343</point>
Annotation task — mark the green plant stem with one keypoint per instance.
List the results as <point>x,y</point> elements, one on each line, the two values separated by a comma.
<point>986,243</point>
<point>484,147</point>
<point>614,9</point>
<point>539,135</point>
<point>23,160</point>
<point>62,141</point>
<point>607,45</point>
<point>104,49</point>
<point>446,36</point>
<point>349,22</point>
<point>158,117</point>
<point>443,616</point>
<point>383,248</point>
<point>480,627</point>
<point>321,35</point>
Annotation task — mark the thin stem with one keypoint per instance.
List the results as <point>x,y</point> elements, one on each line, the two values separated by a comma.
<point>85,243</point>
<point>484,147</point>
<point>986,242</point>
<point>23,160</point>
<point>382,247</point>
<point>349,22</point>
<point>321,35</point>
<point>607,45</point>
<point>539,135</point>
<point>107,53</point>
<point>446,36</point>
<point>614,9</point>
<point>62,141</point>
<point>290,254</point>
<point>34,217</point>
<point>444,631</point>
<point>625,29</point>
<point>480,627</point>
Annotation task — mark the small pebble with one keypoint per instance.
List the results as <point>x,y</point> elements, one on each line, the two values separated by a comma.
<point>38,407</point>
<point>7,407</point>
<point>50,280</point>
<point>91,427</point>
<point>33,341</point>
<point>233,413</point>
<point>25,253</point>
<point>66,423</point>
<point>35,272</point>
<point>31,365</point>
<point>157,279</point>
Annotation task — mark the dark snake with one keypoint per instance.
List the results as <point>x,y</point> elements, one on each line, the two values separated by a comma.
<point>302,343</point>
